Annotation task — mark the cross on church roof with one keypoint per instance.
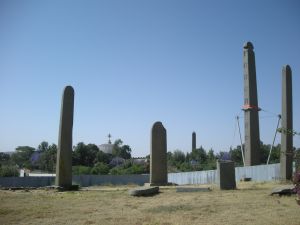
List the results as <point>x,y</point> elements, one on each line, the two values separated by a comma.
<point>109,136</point>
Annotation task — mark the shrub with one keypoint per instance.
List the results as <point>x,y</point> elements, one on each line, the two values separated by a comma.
<point>100,168</point>
<point>296,181</point>
<point>9,171</point>
<point>81,170</point>
<point>118,170</point>
<point>134,169</point>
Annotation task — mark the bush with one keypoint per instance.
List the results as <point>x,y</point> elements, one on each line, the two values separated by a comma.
<point>296,181</point>
<point>9,171</point>
<point>134,169</point>
<point>100,168</point>
<point>81,170</point>
<point>118,170</point>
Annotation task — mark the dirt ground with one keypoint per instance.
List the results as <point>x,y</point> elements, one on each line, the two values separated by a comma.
<point>251,203</point>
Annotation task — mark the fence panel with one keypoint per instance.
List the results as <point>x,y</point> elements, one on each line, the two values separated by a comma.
<point>257,173</point>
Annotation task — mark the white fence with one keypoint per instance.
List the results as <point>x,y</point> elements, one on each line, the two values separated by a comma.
<point>257,173</point>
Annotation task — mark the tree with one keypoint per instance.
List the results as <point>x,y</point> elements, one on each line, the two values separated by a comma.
<point>185,166</point>
<point>275,154</point>
<point>100,168</point>
<point>169,156</point>
<point>210,155</point>
<point>120,150</point>
<point>236,155</point>
<point>43,146</point>
<point>103,157</point>
<point>47,159</point>
<point>92,151</point>
<point>264,153</point>
<point>117,147</point>
<point>199,154</point>
<point>9,171</point>
<point>178,156</point>
<point>4,157</point>
<point>85,155</point>
<point>125,152</point>
<point>22,156</point>
<point>188,157</point>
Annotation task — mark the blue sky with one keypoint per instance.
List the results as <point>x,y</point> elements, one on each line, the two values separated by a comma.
<point>133,63</point>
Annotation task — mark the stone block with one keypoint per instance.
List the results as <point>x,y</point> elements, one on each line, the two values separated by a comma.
<point>144,191</point>
<point>226,175</point>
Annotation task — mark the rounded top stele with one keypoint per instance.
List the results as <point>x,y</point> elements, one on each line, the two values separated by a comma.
<point>287,68</point>
<point>69,89</point>
<point>157,124</point>
<point>248,45</point>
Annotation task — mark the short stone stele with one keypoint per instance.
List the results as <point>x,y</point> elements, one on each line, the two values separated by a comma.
<point>158,155</point>
<point>226,175</point>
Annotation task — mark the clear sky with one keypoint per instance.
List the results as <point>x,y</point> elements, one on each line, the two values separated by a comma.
<point>136,62</point>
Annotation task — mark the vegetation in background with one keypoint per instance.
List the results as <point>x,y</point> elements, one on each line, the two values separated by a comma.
<point>88,159</point>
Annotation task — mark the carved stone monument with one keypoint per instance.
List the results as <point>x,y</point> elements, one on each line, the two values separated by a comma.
<point>193,140</point>
<point>226,175</point>
<point>286,156</point>
<point>251,109</point>
<point>158,155</point>
<point>64,153</point>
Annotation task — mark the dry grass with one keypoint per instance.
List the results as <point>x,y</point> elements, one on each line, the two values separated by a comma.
<point>250,204</point>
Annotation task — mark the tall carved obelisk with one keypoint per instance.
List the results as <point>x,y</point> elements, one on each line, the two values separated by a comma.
<point>286,156</point>
<point>64,152</point>
<point>194,140</point>
<point>251,109</point>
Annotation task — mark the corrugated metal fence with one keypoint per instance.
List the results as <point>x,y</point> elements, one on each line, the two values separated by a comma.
<point>82,180</point>
<point>257,173</point>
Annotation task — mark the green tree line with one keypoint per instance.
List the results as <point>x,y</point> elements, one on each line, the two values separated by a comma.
<point>200,159</point>
<point>88,159</point>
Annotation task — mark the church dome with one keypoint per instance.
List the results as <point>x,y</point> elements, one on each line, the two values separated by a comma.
<point>106,148</point>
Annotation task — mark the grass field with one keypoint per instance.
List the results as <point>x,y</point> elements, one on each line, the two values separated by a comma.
<point>250,204</point>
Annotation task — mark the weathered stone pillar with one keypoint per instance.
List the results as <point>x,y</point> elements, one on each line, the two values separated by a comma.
<point>158,155</point>
<point>252,140</point>
<point>226,175</point>
<point>64,153</point>
<point>193,140</point>
<point>286,156</point>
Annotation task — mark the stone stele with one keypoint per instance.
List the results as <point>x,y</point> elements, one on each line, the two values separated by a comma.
<point>286,156</point>
<point>226,175</point>
<point>158,155</point>
<point>64,153</point>
<point>251,109</point>
<point>193,140</point>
